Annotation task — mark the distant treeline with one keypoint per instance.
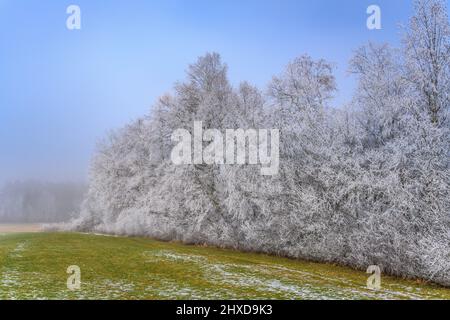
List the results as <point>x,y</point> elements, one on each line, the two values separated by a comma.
<point>34,201</point>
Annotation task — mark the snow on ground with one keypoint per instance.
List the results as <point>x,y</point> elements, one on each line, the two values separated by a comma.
<point>267,280</point>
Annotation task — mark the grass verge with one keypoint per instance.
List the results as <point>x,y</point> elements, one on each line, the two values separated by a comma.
<point>34,265</point>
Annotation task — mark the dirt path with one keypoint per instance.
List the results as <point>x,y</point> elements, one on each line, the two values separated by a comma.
<point>20,228</point>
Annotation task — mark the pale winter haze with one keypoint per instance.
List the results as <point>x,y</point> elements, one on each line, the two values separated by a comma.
<point>40,202</point>
<point>364,184</point>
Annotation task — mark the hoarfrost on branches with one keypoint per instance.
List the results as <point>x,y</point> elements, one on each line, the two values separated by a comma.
<point>363,185</point>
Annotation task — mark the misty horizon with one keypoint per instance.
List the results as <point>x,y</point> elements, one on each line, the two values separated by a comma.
<point>224,150</point>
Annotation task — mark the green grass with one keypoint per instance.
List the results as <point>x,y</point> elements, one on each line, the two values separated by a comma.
<point>33,266</point>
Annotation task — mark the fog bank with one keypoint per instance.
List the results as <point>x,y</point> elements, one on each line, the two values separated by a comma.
<point>38,201</point>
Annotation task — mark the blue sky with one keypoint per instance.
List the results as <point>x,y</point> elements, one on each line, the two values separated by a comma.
<point>62,90</point>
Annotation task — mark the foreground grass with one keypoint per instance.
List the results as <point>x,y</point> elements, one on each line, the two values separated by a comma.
<point>33,266</point>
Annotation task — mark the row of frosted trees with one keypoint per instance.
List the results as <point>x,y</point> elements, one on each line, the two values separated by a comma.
<point>359,185</point>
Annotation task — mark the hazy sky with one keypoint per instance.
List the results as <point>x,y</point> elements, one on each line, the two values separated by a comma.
<point>62,90</point>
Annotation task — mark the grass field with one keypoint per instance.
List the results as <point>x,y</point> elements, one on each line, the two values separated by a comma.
<point>34,265</point>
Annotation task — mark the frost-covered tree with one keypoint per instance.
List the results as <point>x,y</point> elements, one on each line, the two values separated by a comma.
<point>403,159</point>
<point>381,97</point>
